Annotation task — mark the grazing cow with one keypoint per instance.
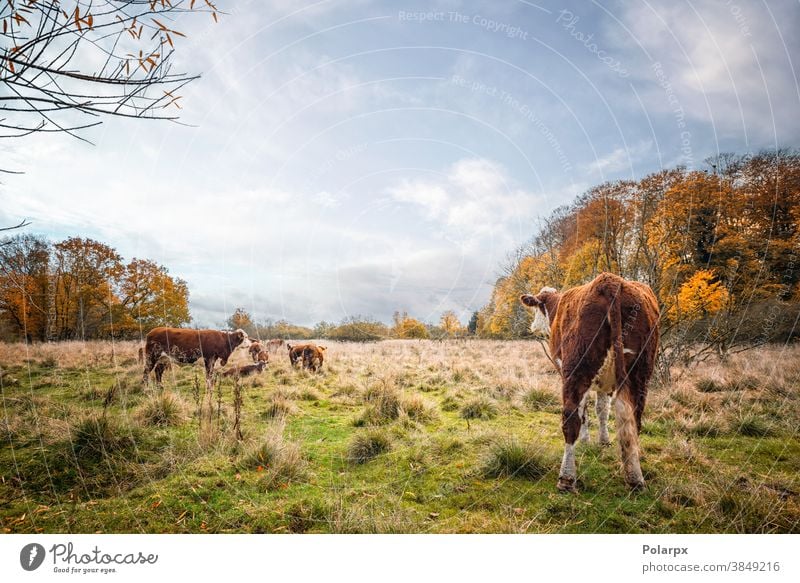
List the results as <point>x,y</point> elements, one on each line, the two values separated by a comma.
<point>296,352</point>
<point>246,370</point>
<point>274,344</point>
<point>141,355</point>
<point>257,352</point>
<point>603,335</point>
<point>187,346</point>
<point>313,357</point>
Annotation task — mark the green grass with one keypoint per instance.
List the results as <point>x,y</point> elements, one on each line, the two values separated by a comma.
<point>377,442</point>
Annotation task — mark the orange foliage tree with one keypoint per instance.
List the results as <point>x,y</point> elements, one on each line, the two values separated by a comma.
<point>81,289</point>
<point>719,247</point>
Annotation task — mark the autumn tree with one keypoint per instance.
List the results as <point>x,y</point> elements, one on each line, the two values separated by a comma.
<point>718,246</point>
<point>66,64</point>
<point>450,324</point>
<point>24,267</point>
<point>407,327</point>
<point>150,297</point>
<point>81,289</point>
<point>240,319</point>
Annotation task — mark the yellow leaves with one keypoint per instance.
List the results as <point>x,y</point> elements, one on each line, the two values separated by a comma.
<point>698,297</point>
<point>450,324</point>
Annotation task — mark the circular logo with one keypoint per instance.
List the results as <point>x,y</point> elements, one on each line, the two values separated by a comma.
<point>31,556</point>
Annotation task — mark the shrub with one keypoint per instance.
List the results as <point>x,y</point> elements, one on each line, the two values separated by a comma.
<point>510,458</point>
<point>368,445</point>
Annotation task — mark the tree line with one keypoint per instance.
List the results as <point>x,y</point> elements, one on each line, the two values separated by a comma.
<point>82,289</point>
<point>353,328</point>
<point>719,247</point>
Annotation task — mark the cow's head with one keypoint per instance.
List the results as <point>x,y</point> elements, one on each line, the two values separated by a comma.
<point>238,339</point>
<point>545,303</point>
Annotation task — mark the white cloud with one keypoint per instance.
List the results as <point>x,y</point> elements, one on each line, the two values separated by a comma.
<point>619,159</point>
<point>728,63</point>
<point>472,199</point>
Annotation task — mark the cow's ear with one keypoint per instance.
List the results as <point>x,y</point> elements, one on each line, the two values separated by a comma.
<point>529,300</point>
<point>322,348</point>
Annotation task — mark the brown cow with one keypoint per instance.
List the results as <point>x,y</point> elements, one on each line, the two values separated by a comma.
<point>313,357</point>
<point>603,335</point>
<point>246,370</point>
<point>257,352</point>
<point>187,346</point>
<point>274,344</point>
<point>297,353</point>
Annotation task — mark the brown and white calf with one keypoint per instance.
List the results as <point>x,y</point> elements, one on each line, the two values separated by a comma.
<point>257,352</point>
<point>186,346</point>
<point>604,336</point>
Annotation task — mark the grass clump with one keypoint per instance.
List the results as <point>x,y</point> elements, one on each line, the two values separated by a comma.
<point>541,399</point>
<point>277,408</point>
<point>164,410</point>
<point>750,425</point>
<point>511,458</point>
<point>709,385</point>
<point>479,408</point>
<point>97,437</point>
<point>281,461</point>
<point>368,445</point>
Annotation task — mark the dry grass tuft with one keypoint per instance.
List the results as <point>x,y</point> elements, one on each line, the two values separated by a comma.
<point>510,458</point>
<point>368,445</point>
<point>163,410</point>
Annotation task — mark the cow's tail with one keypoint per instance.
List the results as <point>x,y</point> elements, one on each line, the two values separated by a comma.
<point>615,322</point>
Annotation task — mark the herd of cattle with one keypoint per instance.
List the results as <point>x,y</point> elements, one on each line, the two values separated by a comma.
<point>603,336</point>
<point>164,345</point>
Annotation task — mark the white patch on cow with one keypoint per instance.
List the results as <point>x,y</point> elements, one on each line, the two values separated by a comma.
<point>568,468</point>
<point>558,363</point>
<point>541,322</point>
<point>628,351</point>
<point>246,342</point>
<point>605,381</point>
<point>584,435</point>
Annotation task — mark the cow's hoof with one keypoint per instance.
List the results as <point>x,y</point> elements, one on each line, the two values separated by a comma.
<point>566,485</point>
<point>636,486</point>
<point>605,442</point>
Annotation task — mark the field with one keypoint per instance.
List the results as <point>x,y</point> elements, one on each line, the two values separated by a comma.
<point>396,436</point>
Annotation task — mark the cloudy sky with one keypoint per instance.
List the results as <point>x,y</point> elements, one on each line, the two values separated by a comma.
<point>358,157</point>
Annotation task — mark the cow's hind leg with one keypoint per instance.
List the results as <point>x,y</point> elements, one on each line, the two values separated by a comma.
<point>575,388</point>
<point>584,434</point>
<point>602,407</point>
<point>628,437</point>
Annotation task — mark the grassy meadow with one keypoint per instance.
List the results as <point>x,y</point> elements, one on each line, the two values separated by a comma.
<point>391,437</point>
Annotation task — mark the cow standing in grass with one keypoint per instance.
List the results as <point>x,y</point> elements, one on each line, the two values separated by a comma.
<point>187,346</point>
<point>603,335</point>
